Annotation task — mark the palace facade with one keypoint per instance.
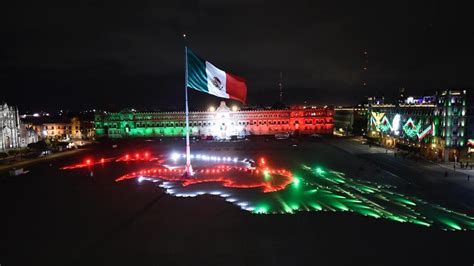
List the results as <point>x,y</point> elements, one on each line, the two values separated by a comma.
<point>223,123</point>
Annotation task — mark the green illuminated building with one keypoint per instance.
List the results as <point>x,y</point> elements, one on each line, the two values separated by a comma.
<point>435,126</point>
<point>451,114</point>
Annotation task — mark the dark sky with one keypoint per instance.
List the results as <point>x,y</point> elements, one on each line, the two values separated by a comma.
<point>112,55</point>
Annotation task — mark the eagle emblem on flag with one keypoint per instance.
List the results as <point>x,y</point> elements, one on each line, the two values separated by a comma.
<point>216,82</point>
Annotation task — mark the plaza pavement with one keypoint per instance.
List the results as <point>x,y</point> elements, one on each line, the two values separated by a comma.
<point>55,217</point>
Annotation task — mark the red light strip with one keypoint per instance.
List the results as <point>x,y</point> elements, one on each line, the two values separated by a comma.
<point>238,177</point>
<point>144,157</point>
<point>252,179</point>
<point>87,163</point>
<point>137,157</point>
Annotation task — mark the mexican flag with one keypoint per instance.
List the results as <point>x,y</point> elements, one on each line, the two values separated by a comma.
<point>204,76</point>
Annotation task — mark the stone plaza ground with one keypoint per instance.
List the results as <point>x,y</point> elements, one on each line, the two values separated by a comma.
<point>59,217</point>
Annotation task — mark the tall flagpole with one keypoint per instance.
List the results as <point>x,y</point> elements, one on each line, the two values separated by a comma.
<point>188,170</point>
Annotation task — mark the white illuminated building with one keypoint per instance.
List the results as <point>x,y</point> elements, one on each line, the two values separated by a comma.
<point>9,127</point>
<point>13,133</point>
<point>224,125</point>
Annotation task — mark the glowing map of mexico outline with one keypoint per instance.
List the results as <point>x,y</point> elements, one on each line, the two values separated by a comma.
<point>266,190</point>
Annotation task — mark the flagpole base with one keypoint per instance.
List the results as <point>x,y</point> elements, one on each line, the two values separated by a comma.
<point>188,171</point>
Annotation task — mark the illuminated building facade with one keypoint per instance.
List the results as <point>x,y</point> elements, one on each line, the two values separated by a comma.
<point>63,128</point>
<point>13,133</point>
<point>451,112</point>
<point>350,120</point>
<point>221,123</point>
<point>82,128</point>
<point>9,127</point>
<point>53,130</point>
<point>407,126</point>
<point>27,135</point>
<point>432,125</point>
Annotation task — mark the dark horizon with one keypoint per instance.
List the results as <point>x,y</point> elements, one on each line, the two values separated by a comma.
<point>131,55</point>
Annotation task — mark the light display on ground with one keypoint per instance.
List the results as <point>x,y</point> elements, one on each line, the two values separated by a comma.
<point>88,162</point>
<point>137,156</point>
<point>265,190</point>
<point>144,156</point>
<point>227,176</point>
<point>229,172</point>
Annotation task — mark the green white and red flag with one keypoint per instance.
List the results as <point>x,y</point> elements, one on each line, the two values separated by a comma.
<point>204,76</point>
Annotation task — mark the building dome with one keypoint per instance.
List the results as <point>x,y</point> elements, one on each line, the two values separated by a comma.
<point>223,108</point>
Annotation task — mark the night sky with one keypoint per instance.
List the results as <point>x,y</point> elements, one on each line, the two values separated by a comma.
<point>111,55</point>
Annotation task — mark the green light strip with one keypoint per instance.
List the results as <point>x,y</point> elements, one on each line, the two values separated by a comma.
<point>319,189</point>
